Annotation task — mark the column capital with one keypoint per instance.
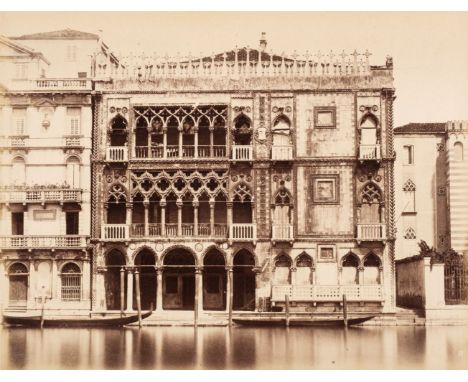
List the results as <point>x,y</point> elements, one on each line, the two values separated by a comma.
<point>163,203</point>
<point>179,203</point>
<point>293,269</point>
<point>229,268</point>
<point>360,268</point>
<point>229,204</point>
<point>128,204</point>
<point>146,203</point>
<point>195,203</point>
<point>198,269</point>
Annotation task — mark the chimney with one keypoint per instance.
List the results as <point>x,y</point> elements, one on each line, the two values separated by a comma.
<point>263,42</point>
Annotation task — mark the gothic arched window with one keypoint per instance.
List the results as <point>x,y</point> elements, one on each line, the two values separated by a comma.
<point>409,190</point>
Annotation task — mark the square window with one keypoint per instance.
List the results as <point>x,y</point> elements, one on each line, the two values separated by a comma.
<point>325,117</point>
<point>326,253</point>
<point>325,189</point>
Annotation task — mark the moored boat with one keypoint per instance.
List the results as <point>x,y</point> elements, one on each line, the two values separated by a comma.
<point>37,321</point>
<point>293,321</point>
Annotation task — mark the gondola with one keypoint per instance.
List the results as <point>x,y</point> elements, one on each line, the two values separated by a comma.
<point>282,321</point>
<point>35,321</point>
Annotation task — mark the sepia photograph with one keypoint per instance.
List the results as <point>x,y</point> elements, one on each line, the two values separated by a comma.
<point>233,190</point>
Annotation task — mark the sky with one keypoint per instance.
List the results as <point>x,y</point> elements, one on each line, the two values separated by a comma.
<point>429,50</point>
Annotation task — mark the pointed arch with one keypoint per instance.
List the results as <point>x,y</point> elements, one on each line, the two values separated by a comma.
<point>282,269</point>
<point>349,271</point>
<point>369,120</point>
<point>372,269</point>
<point>370,193</point>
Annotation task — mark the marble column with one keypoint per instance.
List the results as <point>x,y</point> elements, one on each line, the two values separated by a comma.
<point>129,290</point>
<point>159,289</point>
<point>146,213</point>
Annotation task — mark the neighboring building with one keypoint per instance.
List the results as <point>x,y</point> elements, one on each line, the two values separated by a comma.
<point>70,52</point>
<point>241,178</point>
<point>430,187</point>
<point>45,184</point>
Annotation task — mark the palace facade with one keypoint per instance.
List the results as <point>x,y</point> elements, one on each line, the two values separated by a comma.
<point>238,179</point>
<point>221,183</point>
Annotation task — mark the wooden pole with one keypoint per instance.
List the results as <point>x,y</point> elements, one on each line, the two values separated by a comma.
<point>197,287</point>
<point>286,300</point>
<point>345,311</point>
<point>138,297</point>
<point>122,291</point>
<point>42,310</point>
<point>230,296</point>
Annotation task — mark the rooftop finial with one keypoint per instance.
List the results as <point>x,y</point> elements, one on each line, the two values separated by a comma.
<point>263,42</point>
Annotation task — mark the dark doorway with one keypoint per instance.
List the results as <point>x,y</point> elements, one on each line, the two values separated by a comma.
<point>72,223</point>
<point>18,275</point>
<point>179,280</point>
<point>145,263</point>
<point>115,261</point>
<point>243,281</point>
<point>17,223</point>
<point>214,281</point>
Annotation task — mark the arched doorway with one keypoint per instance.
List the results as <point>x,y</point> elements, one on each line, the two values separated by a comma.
<point>350,264</point>
<point>144,263</point>
<point>372,267</point>
<point>115,261</point>
<point>179,280</point>
<point>282,270</point>
<point>243,281</point>
<point>214,281</point>
<point>18,276</point>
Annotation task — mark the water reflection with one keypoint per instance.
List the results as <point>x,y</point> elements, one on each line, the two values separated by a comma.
<point>235,348</point>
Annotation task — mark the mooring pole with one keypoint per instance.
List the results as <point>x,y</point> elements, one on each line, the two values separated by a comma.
<point>42,309</point>
<point>345,311</point>
<point>230,295</point>
<point>138,297</point>
<point>122,291</point>
<point>196,302</point>
<point>286,300</point>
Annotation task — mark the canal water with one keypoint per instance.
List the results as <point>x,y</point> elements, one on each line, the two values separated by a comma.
<point>236,348</point>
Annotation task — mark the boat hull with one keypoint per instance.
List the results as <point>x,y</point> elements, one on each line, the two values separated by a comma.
<point>281,321</point>
<point>35,321</point>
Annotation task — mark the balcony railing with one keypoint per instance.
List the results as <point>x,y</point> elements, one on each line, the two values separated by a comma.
<point>188,229</point>
<point>171,229</point>
<point>114,232</point>
<point>33,242</point>
<point>215,151</point>
<point>281,153</point>
<point>117,154</point>
<point>72,141</point>
<point>371,232</point>
<point>62,84</point>
<point>369,152</point>
<point>327,292</point>
<point>282,232</point>
<point>54,195</point>
<point>243,232</point>
<point>172,151</point>
<point>242,153</point>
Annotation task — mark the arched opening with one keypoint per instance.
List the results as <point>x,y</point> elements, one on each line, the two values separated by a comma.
<point>118,131</point>
<point>179,280</point>
<point>171,215</point>
<point>145,263</point>
<point>372,266</point>
<point>18,276</point>
<point>350,264</point>
<point>458,151</point>
<point>242,130</point>
<point>409,192</point>
<point>204,137</point>
<point>282,214</point>
<point>141,137</point>
<point>18,171</point>
<point>187,214</point>
<point>116,205</point>
<point>204,214</point>
<point>214,281</point>
<point>368,125</point>
<point>304,265</point>
<point>138,216</point>
<point>281,132</point>
<point>243,281</point>
<point>172,149</point>
<point>371,199</point>
<point>219,137</point>
<point>188,137</point>
<point>220,216</point>
<point>242,205</point>
<point>70,277</point>
<point>115,261</point>
<point>73,172</point>
<point>154,215</point>
<point>282,270</point>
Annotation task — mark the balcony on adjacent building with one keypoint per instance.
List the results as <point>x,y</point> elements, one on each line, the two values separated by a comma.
<point>327,293</point>
<point>242,153</point>
<point>282,232</point>
<point>42,196</point>
<point>371,232</point>
<point>39,242</point>
<point>243,232</point>
<point>52,84</point>
<point>281,153</point>
<point>369,152</point>
<point>117,154</point>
